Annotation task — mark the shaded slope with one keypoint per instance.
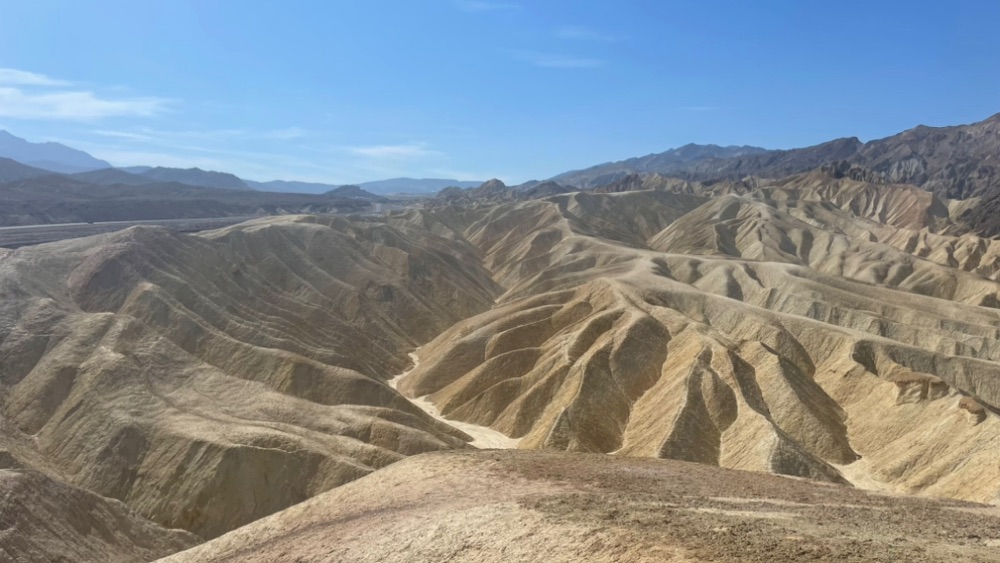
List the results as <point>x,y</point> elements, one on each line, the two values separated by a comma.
<point>43,520</point>
<point>956,162</point>
<point>207,381</point>
<point>661,163</point>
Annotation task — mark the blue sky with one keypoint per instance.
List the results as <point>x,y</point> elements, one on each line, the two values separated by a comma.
<point>352,90</point>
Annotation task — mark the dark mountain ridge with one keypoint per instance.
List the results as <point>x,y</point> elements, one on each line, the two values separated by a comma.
<point>955,162</point>
<point>64,199</point>
<point>12,170</point>
<point>197,177</point>
<point>391,186</point>
<point>112,176</point>
<point>664,162</point>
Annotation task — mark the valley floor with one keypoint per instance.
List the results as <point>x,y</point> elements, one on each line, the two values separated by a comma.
<point>26,235</point>
<point>482,436</point>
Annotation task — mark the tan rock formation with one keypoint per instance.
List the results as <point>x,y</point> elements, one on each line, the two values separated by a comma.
<point>794,329</point>
<point>816,326</point>
<point>207,381</point>
<point>44,520</point>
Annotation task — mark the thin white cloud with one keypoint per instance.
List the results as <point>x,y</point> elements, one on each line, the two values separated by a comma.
<point>30,95</point>
<point>74,105</point>
<point>206,135</point>
<point>242,163</point>
<point>395,152</point>
<point>484,6</point>
<point>339,165</point>
<point>212,135</point>
<point>553,60</point>
<point>583,33</point>
<point>129,136</point>
<point>14,77</point>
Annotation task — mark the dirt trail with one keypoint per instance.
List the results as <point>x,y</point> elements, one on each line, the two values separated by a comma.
<point>485,438</point>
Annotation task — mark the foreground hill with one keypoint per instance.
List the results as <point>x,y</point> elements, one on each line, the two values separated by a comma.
<point>527,506</point>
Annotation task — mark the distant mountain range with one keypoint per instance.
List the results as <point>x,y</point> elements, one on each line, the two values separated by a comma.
<point>954,162</point>
<point>12,171</point>
<point>54,157</point>
<point>196,177</point>
<point>46,158</point>
<point>415,186</point>
<point>662,163</point>
<point>380,187</point>
<point>61,198</point>
<point>144,175</point>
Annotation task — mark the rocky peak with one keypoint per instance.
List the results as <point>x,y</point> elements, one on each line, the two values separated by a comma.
<point>492,186</point>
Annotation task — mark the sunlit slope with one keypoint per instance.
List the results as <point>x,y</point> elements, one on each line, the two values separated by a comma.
<point>520,506</point>
<point>815,326</point>
<point>793,329</point>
